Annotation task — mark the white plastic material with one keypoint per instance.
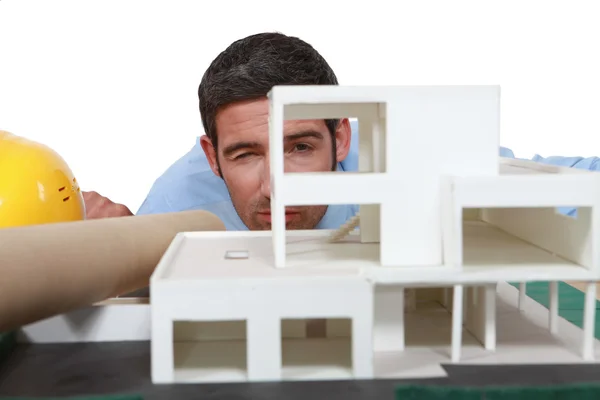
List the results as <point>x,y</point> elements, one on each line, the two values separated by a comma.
<point>419,282</point>
<point>460,224</point>
<point>494,329</point>
<point>455,127</point>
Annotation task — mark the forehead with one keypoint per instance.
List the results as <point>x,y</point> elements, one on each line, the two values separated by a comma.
<point>249,121</point>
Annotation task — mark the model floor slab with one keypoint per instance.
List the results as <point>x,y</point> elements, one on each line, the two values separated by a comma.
<point>522,336</point>
<point>487,249</point>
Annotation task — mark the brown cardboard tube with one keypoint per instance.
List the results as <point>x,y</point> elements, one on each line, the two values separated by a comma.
<point>46,270</point>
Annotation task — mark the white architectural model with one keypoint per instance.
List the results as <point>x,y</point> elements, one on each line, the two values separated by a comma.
<point>412,234</point>
<point>268,306</point>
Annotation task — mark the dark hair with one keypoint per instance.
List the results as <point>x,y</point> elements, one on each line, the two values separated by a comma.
<point>251,66</point>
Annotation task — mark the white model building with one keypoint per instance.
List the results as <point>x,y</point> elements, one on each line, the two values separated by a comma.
<point>412,234</point>
<point>277,305</point>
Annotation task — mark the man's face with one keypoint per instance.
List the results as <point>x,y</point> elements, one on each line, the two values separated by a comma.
<point>243,158</point>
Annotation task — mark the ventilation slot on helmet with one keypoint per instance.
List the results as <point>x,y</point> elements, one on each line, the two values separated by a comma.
<point>62,188</point>
<point>66,198</point>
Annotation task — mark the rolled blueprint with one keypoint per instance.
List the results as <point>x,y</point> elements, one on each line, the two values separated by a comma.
<point>50,269</point>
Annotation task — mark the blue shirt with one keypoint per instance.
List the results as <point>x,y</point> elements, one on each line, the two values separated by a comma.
<point>190,184</point>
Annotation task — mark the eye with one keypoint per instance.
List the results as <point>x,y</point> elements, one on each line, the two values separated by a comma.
<point>302,147</point>
<point>241,156</point>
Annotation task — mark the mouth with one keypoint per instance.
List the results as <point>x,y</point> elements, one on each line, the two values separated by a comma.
<point>289,215</point>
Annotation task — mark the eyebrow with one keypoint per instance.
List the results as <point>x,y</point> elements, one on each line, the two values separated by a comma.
<point>229,150</point>
<point>232,148</point>
<point>302,135</point>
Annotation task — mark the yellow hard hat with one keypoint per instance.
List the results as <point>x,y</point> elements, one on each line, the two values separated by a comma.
<point>36,185</point>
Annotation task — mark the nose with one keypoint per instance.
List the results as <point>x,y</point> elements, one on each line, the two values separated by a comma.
<point>265,181</point>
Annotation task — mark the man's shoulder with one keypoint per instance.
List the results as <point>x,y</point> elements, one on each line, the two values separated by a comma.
<point>590,163</point>
<point>336,215</point>
<point>579,162</point>
<point>187,184</point>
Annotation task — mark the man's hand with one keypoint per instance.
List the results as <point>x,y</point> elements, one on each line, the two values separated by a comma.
<point>97,206</point>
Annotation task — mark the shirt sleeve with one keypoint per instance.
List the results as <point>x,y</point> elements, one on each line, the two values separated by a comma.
<point>156,202</point>
<point>585,163</point>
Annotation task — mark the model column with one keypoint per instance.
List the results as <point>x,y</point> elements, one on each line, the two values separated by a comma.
<point>276,172</point>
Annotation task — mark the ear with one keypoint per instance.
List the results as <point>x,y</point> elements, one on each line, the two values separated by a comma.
<point>211,154</point>
<point>343,135</point>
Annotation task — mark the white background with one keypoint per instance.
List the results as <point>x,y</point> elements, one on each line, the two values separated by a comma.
<point>111,84</point>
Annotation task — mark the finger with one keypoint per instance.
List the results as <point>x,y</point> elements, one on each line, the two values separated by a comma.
<point>122,211</point>
<point>87,196</point>
<point>97,206</point>
<point>112,210</point>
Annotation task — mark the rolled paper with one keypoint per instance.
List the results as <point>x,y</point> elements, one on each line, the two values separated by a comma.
<point>51,269</point>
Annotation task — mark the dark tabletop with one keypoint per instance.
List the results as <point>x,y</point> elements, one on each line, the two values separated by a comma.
<point>124,368</point>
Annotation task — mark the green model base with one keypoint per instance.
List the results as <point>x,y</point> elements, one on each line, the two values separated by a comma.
<point>562,392</point>
<point>570,302</point>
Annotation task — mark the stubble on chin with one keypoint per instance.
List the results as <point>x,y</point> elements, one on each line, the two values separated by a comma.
<point>308,219</point>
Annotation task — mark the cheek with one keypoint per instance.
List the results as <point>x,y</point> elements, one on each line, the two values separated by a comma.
<point>242,179</point>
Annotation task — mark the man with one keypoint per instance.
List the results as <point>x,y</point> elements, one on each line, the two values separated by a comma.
<point>227,171</point>
<point>235,153</point>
